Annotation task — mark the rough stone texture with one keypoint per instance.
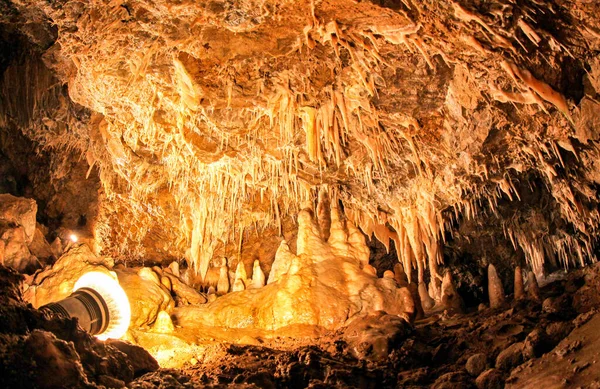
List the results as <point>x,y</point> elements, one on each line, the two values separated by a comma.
<point>13,249</point>
<point>495,289</point>
<point>373,337</point>
<point>490,379</point>
<point>20,212</point>
<point>40,247</point>
<point>536,344</point>
<point>476,364</point>
<point>510,358</point>
<point>519,289</point>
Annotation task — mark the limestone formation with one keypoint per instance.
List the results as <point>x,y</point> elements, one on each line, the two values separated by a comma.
<point>238,285</point>
<point>519,289</point>
<point>240,272</point>
<point>223,283</point>
<point>416,300</point>
<point>369,269</point>
<point>325,285</point>
<point>533,289</point>
<point>451,300</point>
<point>426,301</point>
<point>400,275</point>
<point>174,268</point>
<point>163,323</point>
<point>258,277</point>
<point>495,289</point>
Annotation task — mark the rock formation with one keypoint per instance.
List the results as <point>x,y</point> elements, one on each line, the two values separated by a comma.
<point>495,288</point>
<point>323,287</point>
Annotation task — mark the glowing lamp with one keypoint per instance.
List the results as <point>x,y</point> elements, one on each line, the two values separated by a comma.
<point>73,238</point>
<point>100,305</point>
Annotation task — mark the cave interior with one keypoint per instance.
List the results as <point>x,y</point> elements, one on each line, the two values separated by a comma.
<point>299,193</point>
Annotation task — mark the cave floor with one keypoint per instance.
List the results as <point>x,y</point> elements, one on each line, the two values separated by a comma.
<point>526,344</point>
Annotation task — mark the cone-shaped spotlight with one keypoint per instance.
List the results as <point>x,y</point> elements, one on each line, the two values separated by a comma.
<point>100,305</point>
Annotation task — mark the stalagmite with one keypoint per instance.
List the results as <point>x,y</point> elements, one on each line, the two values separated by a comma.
<point>163,323</point>
<point>388,274</point>
<point>451,300</point>
<point>414,292</point>
<point>426,301</point>
<point>281,264</point>
<point>174,267</point>
<point>323,214</point>
<point>223,284</point>
<point>258,277</point>
<point>533,289</point>
<point>400,275</point>
<point>495,289</point>
<point>369,269</point>
<point>240,279</point>
<point>519,290</point>
<point>211,294</point>
<point>238,285</point>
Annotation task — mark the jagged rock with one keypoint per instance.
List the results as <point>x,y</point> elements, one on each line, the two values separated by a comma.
<point>510,358</point>
<point>490,379</point>
<point>533,289</point>
<point>39,247</point>
<point>14,251</point>
<point>451,300</point>
<point>56,361</point>
<point>258,277</point>
<point>20,212</point>
<point>57,247</point>
<point>519,289</point>
<point>163,323</point>
<point>495,289</point>
<point>476,364</point>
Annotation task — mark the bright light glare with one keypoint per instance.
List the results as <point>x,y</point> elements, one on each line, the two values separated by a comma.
<point>73,238</point>
<point>115,298</point>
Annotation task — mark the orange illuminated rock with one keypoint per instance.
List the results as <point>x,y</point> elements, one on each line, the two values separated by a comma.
<point>323,285</point>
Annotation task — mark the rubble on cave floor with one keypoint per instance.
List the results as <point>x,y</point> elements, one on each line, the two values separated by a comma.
<point>525,343</point>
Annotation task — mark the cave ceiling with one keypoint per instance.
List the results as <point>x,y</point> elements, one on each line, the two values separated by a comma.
<point>206,118</point>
